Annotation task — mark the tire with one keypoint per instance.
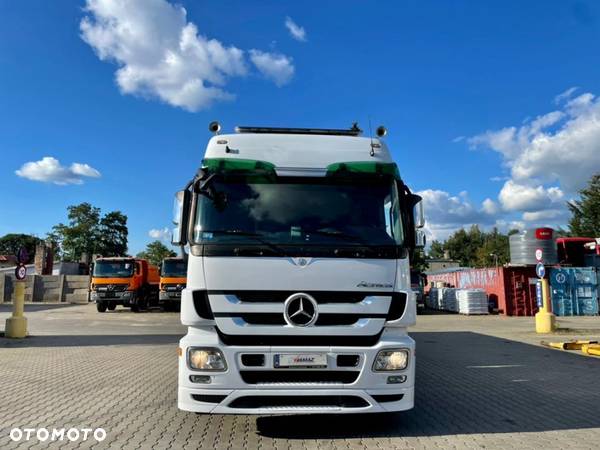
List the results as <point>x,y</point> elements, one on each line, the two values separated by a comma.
<point>135,308</point>
<point>101,307</point>
<point>112,306</point>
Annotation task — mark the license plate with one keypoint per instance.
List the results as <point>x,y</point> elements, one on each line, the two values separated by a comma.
<point>312,360</point>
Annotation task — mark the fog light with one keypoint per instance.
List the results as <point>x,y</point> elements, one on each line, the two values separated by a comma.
<point>206,359</point>
<point>205,379</point>
<point>395,379</point>
<point>387,360</point>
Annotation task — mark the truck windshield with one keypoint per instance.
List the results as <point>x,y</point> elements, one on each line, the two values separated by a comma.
<point>173,268</point>
<point>113,269</point>
<point>291,210</point>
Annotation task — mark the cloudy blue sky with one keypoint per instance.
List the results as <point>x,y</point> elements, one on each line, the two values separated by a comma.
<point>491,106</point>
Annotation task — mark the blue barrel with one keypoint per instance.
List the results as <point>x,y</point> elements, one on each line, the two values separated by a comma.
<point>574,291</point>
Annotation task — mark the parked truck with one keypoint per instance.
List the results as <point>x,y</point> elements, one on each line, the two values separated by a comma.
<point>173,273</point>
<point>125,281</point>
<point>298,296</point>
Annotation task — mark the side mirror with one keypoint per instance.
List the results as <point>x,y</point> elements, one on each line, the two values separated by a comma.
<point>180,208</point>
<point>419,214</point>
<point>420,239</point>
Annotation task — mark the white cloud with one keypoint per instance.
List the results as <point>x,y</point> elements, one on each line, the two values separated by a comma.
<point>561,146</point>
<point>85,170</point>
<point>163,234</point>
<point>274,66</point>
<point>296,31</point>
<point>160,54</point>
<point>549,158</point>
<point>490,207</point>
<point>549,214</point>
<point>445,213</point>
<point>521,197</point>
<point>49,170</point>
<point>565,95</point>
<point>458,139</point>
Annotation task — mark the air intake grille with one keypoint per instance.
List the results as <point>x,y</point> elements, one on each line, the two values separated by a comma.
<point>279,376</point>
<point>294,401</point>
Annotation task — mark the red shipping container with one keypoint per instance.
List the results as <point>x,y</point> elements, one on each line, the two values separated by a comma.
<point>510,289</point>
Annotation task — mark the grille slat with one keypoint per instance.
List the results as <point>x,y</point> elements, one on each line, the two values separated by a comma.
<point>295,376</point>
<point>299,401</point>
<point>262,313</point>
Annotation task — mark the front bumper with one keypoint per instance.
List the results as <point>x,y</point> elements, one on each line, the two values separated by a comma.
<point>229,393</point>
<point>123,297</point>
<point>169,296</point>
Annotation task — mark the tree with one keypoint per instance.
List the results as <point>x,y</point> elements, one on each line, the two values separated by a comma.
<point>474,248</point>
<point>155,252</point>
<point>495,250</point>
<point>10,244</point>
<point>585,213</point>
<point>89,233</point>
<point>418,262</point>
<point>113,233</point>
<point>436,250</point>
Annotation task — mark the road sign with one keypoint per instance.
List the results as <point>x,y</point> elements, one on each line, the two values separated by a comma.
<point>539,254</point>
<point>21,272</point>
<point>540,270</point>
<point>538,293</point>
<point>23,256</point>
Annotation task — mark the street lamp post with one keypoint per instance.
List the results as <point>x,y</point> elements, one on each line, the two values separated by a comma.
<point>495,256</point>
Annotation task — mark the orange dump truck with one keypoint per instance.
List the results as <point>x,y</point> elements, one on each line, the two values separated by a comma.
<point>125,281</point>
<point>173,278</point>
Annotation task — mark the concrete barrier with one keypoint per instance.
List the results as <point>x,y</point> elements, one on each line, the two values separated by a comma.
<point>47,288</point>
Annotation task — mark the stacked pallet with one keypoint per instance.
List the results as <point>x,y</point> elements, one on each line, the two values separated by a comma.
<point>449,299</point>
<point>472,301</point>
<point>434,299</point>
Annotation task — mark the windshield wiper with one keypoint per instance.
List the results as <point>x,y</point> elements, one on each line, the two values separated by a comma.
<point>336,233</point>
<point>256,236</point>
<point>343,235</point>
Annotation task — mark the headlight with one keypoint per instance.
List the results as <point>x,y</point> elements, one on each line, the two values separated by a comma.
<point>387,360</point>
<point>206,359</point>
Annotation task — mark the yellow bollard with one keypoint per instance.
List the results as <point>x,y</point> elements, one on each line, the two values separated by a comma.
<point>16,326</point>
<point>545,320</point>
<point>591,349</point>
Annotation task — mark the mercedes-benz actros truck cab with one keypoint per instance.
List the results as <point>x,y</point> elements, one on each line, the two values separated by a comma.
<point>298,295</point>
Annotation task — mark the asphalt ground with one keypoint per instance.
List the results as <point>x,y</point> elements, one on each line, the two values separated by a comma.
<point>482,382</point>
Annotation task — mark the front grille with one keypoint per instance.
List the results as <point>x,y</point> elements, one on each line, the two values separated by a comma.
<point>279,376</point>
<point>398,306</point>
<point>388,398</point>
<point>323,320</point>
<point>253,360</point>
<point>202,305</point>
<point>299,340</point>
<point>208,398</point>
<point>347,360</point>
<point>173,287</point>
<point>326,313</point>
<point>111,287</point>
<point>280,296</point>
<point>299,401</point>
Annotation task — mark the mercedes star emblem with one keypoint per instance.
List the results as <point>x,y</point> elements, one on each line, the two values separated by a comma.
<point>300,310</point>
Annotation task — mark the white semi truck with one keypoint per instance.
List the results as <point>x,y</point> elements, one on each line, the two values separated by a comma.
<point>298,294</point>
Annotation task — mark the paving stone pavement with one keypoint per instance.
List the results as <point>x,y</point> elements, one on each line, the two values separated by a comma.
<point>474,390</point>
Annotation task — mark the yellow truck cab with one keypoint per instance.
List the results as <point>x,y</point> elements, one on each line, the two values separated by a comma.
<point>173,279</point>
<point>126,281</point>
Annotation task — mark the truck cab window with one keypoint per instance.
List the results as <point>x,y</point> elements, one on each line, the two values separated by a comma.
<point>320,211</point>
